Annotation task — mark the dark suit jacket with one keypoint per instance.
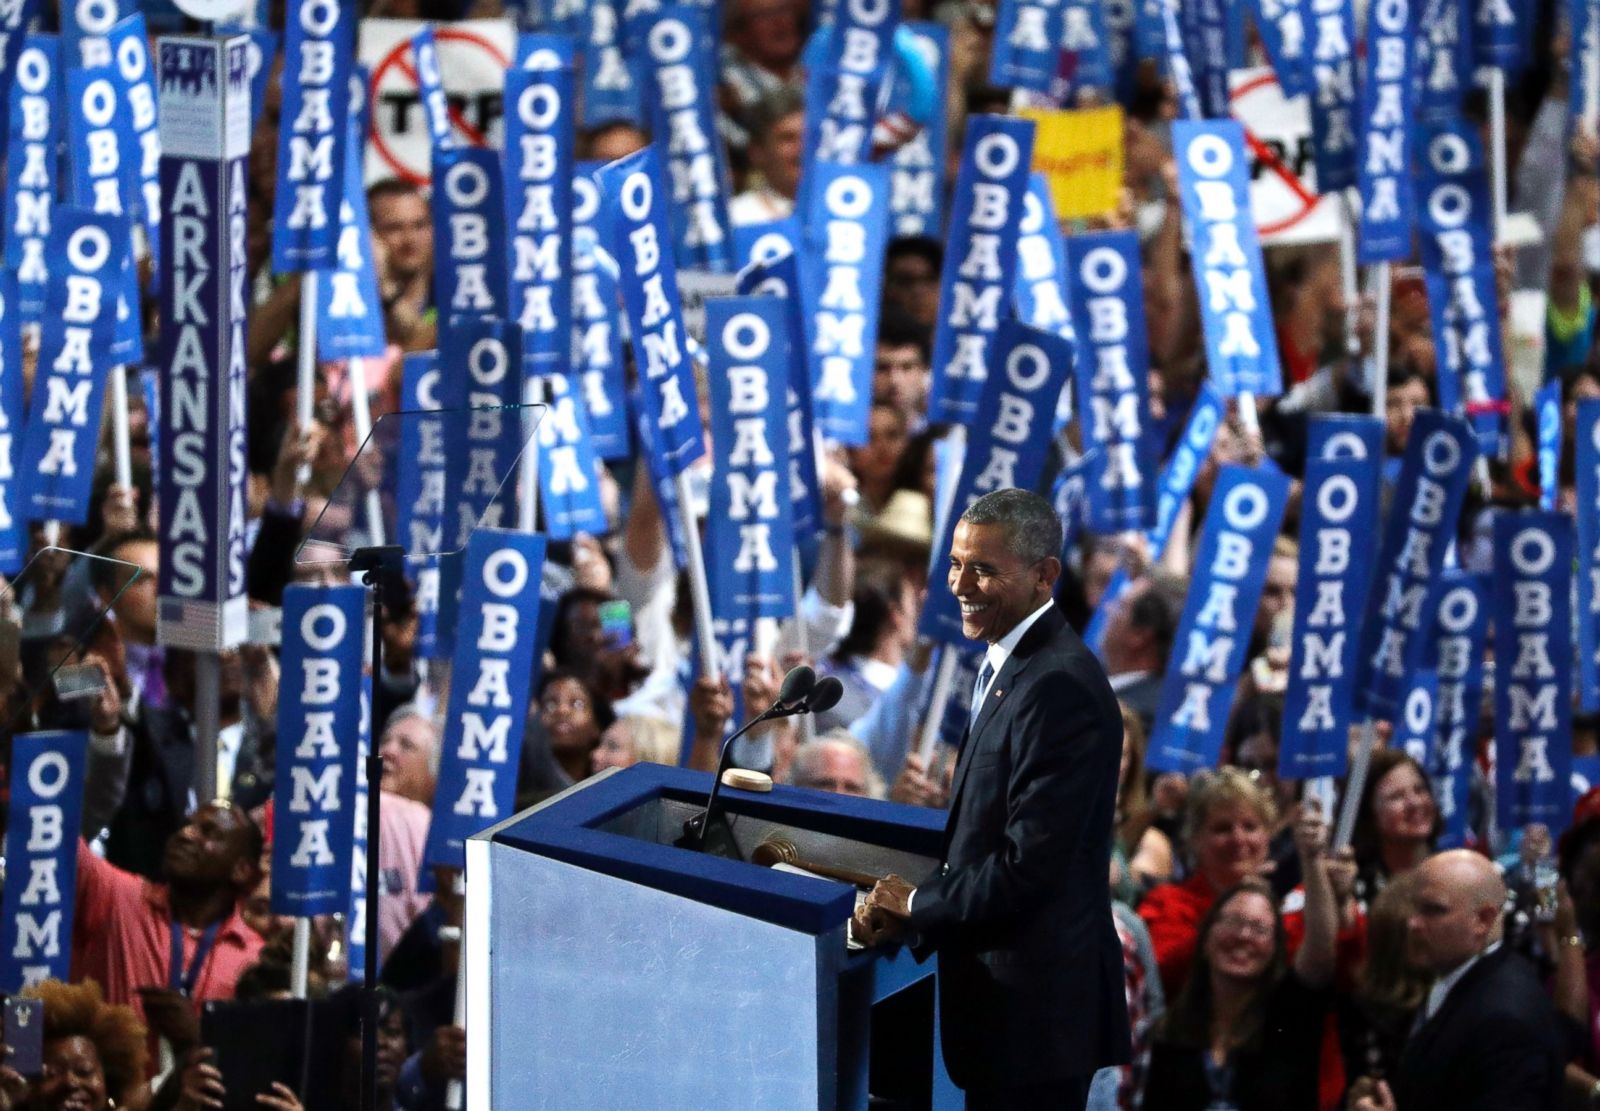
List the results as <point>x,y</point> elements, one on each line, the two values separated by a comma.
<point>1496,1045</point>
<point>1030,969</point>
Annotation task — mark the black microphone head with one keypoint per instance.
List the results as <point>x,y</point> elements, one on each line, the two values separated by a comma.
<point>826,695</point>
<point>796,685</point>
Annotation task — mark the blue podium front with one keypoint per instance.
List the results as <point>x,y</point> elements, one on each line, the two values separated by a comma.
<point>607,967</point>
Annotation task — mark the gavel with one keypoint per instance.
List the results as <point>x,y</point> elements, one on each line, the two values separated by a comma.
<point>780,850</point>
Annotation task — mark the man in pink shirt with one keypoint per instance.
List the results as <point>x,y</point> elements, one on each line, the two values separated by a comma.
<point>185,935</point>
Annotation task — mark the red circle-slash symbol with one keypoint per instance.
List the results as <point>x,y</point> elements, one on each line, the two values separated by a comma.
<point>399,58</point>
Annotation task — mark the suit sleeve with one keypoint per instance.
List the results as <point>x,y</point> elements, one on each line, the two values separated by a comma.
<point>1512,1064</point>
<point>1064,761</point>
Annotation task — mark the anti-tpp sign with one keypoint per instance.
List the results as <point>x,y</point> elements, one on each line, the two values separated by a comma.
<point>205,138</point>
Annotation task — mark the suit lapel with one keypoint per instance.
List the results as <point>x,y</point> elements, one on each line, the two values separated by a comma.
<point>1453,1001</point>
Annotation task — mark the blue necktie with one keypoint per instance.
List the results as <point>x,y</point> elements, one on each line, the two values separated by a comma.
<point>980,690</point>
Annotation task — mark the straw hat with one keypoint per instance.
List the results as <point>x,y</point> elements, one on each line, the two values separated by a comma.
<point>905,522</point>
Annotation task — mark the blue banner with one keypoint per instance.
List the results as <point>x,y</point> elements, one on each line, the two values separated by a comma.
<point>484,361</point>
<point>491,675</point>
<point>766,241</point>
<point>1388,105</point>
<point>1444,60</point>
<point>63,429</point>
<point>1070,496</point>
<point>1208,653</point>
<point>857,55</point>
<point>1533,669</point>
<point>539,167</point>
<point>1499,35</point>
<point>1416,723</point>
<point>355,919</point>
<point>597,324</point>
<point>661,482</point>
<point>1178,63</point>
<point>1338,518</point>
<point>318,50</point>
<point>86,30</point>
<point>1587,445</point>
<point>750,528</point>
<point>44,815</point>
<point>14,540</point>
<point>980,261</point>
<point>1461,633</point>
<point>469,261</point>
<point>634,211</point>
<point>1113,377</point>
<point>349,313</point>
<point>130,51</point>
<point>1333,95</point>
<point>262,52</point>
<point>841,271</point>
<point>1344,436</point>
<point>1008,440</point>
<point>1235,312</point>
<point>569,472</point>
<point>1027,37</point>
<point>99,136</point>
<point>610,90</point>
<point>315,766</point>
<point>1282,26</point>
<point>1206,42</point>
<point>1458,270</point>
<point>419,485</point>
<point>1547,410</point>
<point>18,19</point>
<point>1086,49</point>
<point>1583,18</point>
<point>430,88</point>
<point>1422,522</point>
<point>37,124</point>
<point>1040,294</point>
<point>916,191</point>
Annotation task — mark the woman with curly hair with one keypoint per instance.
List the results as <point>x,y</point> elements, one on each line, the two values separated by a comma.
<point>94,1052</point>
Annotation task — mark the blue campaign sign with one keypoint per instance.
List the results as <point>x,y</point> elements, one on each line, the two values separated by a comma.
<point>1113,379</point>
<point>1235,312</point>
<point>757,243</point>
<point>14,540</point>
<point>33,142</point>
<point>1422,520</point>
<point>1444,60</point>
<point>1461,632</point>
<point>1282,25</point>
<point>1388,106</point>
<point>482,451</point>
<point>1416,723</point>
<point>1587,437</point>
<point>430,86</point>
<point>1040,294</point>
<point>86,27</point>
<point>1027,36</point>
<point>1333,94</point>
<point>1344,436</point>
<point>261,52</point>
<point>314,782</point>
<point>980,263</point>
<point>1498,32</point>
<point>1206,41</point>
<point>634,210</point>
<point>1008,440</point>
<point>489,691</point>
<point>1070,496</point>
<point>356,914</point>
<point>1213,637</point>
<point>750,534</point>
<point>18,19</point>
<point>1086,49</point>
<point>318,50</point>
<point>201,594</point>
<point>469,259</point>
<point>349,313</point>
<point>610,90</point>
<point>1338,518</point>
<point>841,273</point>
<point>916,194</point>
<point>1178,62</point>
<point>539,202</point>
<point>63,429</point>
<point>45,813</point>
<point>1547,411</point>
<point>1533,668</point>
<point>852,60</point>
<point>130,53</point>
<point>597,324</point>
<point>569,472</point>
<point>420,489</point>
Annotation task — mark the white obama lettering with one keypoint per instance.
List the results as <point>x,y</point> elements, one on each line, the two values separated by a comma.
<point>690,157</point>
<point>100,159</point>
<point>94,20</point>
<point>1038,273</point>
<point>1325,562</point>
<point>1469,342</point>
<point>1222,263</point>
<point>841,317</point>
<point>1386,158</point>
<point>1333,76</point>
<point>979,286</point>
<point>1532,684</point>
<point>315,789</point>
<point>658,340</point>
<point>32,172</point>
<point>1458,624</point>
<point>37,918</point>
<point>1113,392</point>
<point>842,133</point>
<point>1406,583</point>
<point>537,242</point>
<point>560,437</point>
<point>486,720</point>
<point>70,381</point>
<point>593,311</point>
<point>1027,368</point>
<point>752,479</point>
<point>467,187</point>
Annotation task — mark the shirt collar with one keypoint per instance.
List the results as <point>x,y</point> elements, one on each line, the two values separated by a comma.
<point>1443,985</point>
<point>233,927</point>
<point>1000,651</point>
<point>1126,679</point>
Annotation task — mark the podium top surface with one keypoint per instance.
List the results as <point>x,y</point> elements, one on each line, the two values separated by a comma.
<point>573,828</point>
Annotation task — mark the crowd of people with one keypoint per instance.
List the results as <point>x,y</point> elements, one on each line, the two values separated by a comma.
<point>1264,968</point>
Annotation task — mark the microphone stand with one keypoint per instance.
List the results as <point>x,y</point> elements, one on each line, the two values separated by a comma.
<point>697,830</point>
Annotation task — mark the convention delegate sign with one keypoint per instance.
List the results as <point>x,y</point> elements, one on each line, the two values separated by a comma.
<point>469,257</point>
<point>916,180</point>
<point>63,429</point>
<point>1388,104</point>
<point>1533,669</point>
<point>86,30</point>
<point>1235,312</point>
<point>610,90</point>
<point>318,50</point>
<point>14,537</point>
<point>355,932</point>
<point>1497,33</point>
<point>1282,26</point>
<point>634,210</point>
<point>1027,36</point>
<point>1113,378</point>
<point>1460,634</point>
<point>1444,60</point>
<point>97,137</point>
<point>569,472</point>
<point>204,142</point>
<point>1416,722</point>
<point>1333,94</point>
<point>538,167</point>
<point>45,814</point>
<point>1338,518</point>
<point>1213,637</point>
<point>314,781</point>
<point>842,93</point>
<point>430,86</point>
<point>130,55</point>
<point>841,272</point>
<point>980,261</point>
<point>482,364</point>
<point>489,691</point>
<point>33,166</point>
<point>1422,520</point>
<point>18,19</point>
<point>596,324</point>
<point>420,489</point>
<point>1587,437</point>
<point>1178,62</point>
<point>1040,293</point>
<point>349,313</point>
<point>1547,414</point>
<point>1008,439</point>
<point>750,528</point>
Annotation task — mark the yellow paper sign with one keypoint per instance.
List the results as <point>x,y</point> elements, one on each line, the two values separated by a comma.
<point>1080,151</point>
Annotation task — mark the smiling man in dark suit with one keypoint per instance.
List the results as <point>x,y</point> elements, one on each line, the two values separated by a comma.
<point>1031,996</point>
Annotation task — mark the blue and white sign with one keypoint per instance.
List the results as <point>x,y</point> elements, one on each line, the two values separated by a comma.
<point>1070,496</point>
<point>489,690</point>
<point>1388,104</point>
<point>1282,25</point>
<point>18,19</point>
<point>1416,723</point>
<point>130,53</point>
<point>33,166</point>
<point>980,264</point>
<point>482,451</point>
<point>469,258</point>
<point>610,88</point>
<point>1444,60</point>
<point>14,539</point>
<point>842,91</point>
<point>318,50</point>
<point>1178,63</point>
<point>597,324</point>
<point>86,30</point>
<point>99,135</point>
<point>349,314</point>
<point>420,490</point>
<point>41,885</point>
<point>539,167</point>
<point>314,782</point>
<point>1344,436</point>
<point>1041,288</point>
<point>569,472</point>
<point>1587,437</point>
<point>1461,632</point>
<point>1027,37</point>
<point>1533,669</point>
<point>1333,94</point>
<point>430,87</point>
<point>916,192</point>
<point>1547,412</point>
<point>1499,31</point>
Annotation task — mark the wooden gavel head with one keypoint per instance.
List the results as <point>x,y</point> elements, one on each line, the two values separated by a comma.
<point>775,850</point>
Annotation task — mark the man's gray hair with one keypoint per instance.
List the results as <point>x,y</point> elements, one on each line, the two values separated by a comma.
<point>1033,531</point>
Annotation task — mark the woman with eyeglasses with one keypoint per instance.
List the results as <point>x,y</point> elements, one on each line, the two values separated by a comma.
<point>1246,1031</point>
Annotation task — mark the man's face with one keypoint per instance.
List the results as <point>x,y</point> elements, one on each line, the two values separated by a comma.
<point>994,588</point>
<point>911,282</point>
<point>404,226</point>
<point>900,377</point>
<point>1400,409</point>
<point>208,849</point>
<point>135,606</point>
<point>766,31</point>
<point>780,154</point>
<point>1447,928</point>
<point>840,770</point>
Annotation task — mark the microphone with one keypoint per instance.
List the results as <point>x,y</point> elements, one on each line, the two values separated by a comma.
<point>796,695</point>
<point>824,696</point>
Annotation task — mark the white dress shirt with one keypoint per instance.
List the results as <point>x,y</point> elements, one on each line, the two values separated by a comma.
<point>1441,987</point>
